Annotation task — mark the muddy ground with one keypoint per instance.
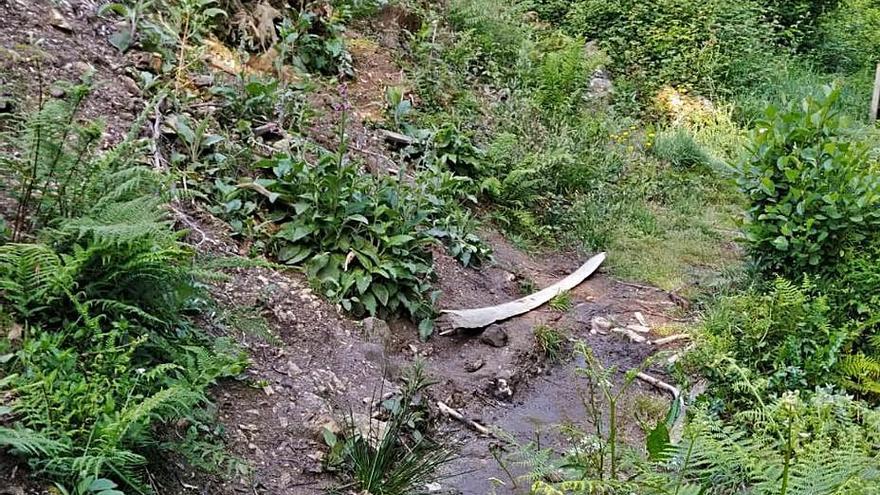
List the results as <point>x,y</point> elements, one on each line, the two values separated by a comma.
<point>312,364</point>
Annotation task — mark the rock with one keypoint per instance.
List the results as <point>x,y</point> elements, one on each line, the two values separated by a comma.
<point>633,336</point>
<point>601,86</point>
<point>368,428</point>
<point>58,21</point>
<point>639,328</point>
<point>57,92</point>
<point>376,330</point>
<point>472,366</point>
<point>494,336</point>
<point>6,105</point>
<point>322,423</point>
<point>433,487</point>
<point>502,389</point>
<point>600,325</point>
<point>203,80</point>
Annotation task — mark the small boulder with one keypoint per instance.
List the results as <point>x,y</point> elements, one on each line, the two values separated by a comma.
<point>472,366</point>
<point>494,336</point>
<point>376,330</point>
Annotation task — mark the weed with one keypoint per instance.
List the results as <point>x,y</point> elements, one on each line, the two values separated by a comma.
<point>392,457</point>
<point>679,149</point>
<point>551,342</point>
<point>561,302</point>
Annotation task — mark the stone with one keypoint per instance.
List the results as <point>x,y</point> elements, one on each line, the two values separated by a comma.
<point>502,391</point>
<point>57,92</point>
<point>57,20</point>
<point>600,325</point>
<point>373,430</point>
<point>472,366</point>
<point>601,86</point>
<point>203,80</point>
<point>494,336</point>
<point>376,330</point>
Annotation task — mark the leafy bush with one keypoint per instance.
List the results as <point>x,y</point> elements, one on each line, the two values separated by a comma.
<point>787,334</point>
<point>313,42</point>
<point>392,457</point>
<point>850,36</point>
<point>561,75</point>
<point>364,240</point>
<point>712,46</point>
<point>817,443</point>
<point>97,346</point>
<point>812,195</point>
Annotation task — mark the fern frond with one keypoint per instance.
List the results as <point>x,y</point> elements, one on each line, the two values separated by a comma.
<point>30,443</point>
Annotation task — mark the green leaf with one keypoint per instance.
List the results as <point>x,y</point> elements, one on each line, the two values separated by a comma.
<point>121,40</point>
<point>426,328</point>
<point>658,441</point>
<point>293,253</point>
<point>381,293</point>
<point>369,303</point>
<point>294,231</point>
<point>399,239</point>
<point>780,243</point>
<point>102,484</point>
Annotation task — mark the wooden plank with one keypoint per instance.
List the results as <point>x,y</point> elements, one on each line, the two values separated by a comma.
<point>482,317</point>
<point>875,100</point>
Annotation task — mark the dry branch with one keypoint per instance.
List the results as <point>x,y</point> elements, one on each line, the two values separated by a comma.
<point>482,317</point>
<point>452,413</point>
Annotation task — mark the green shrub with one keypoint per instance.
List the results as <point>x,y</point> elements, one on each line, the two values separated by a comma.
<point>714,46</point>
<point>560,75</point>
<point>97,347</point>
<point>812,194</point>
<point>787,334</point>
<point>679,148</point>
<point>363,240</point>
<point>850,36</point>
<point>491,40</point>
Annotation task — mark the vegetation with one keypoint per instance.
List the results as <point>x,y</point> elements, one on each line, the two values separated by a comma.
<point>97,297</point>
<point>716,149</point>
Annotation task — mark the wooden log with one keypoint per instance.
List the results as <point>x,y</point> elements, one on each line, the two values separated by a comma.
<point>451,319</point>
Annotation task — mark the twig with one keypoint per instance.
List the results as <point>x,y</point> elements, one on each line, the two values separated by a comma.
<point>671,338</point>
<point>676,393</point>
<point>452,413</point>
<point>184,218</point>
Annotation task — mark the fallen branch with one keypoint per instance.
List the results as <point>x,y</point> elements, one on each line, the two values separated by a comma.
<point>452,319</point>
<point>671,338</point>
<point>452,413</point>
<point>678,424</point>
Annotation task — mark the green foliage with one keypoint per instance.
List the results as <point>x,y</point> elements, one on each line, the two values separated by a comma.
<point>95,314</point>
<point>313,42</point>
<point>562,302</point>
<point>550,341</point>
<point>795,20</point>
<point>679,148</point>
<point>391,456</point>
<point>364,240</point>
<point>812,194</point>
<point>850,36</point>
<point>561,75</point>
<point>786,334</point>
<point>713,46</point>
